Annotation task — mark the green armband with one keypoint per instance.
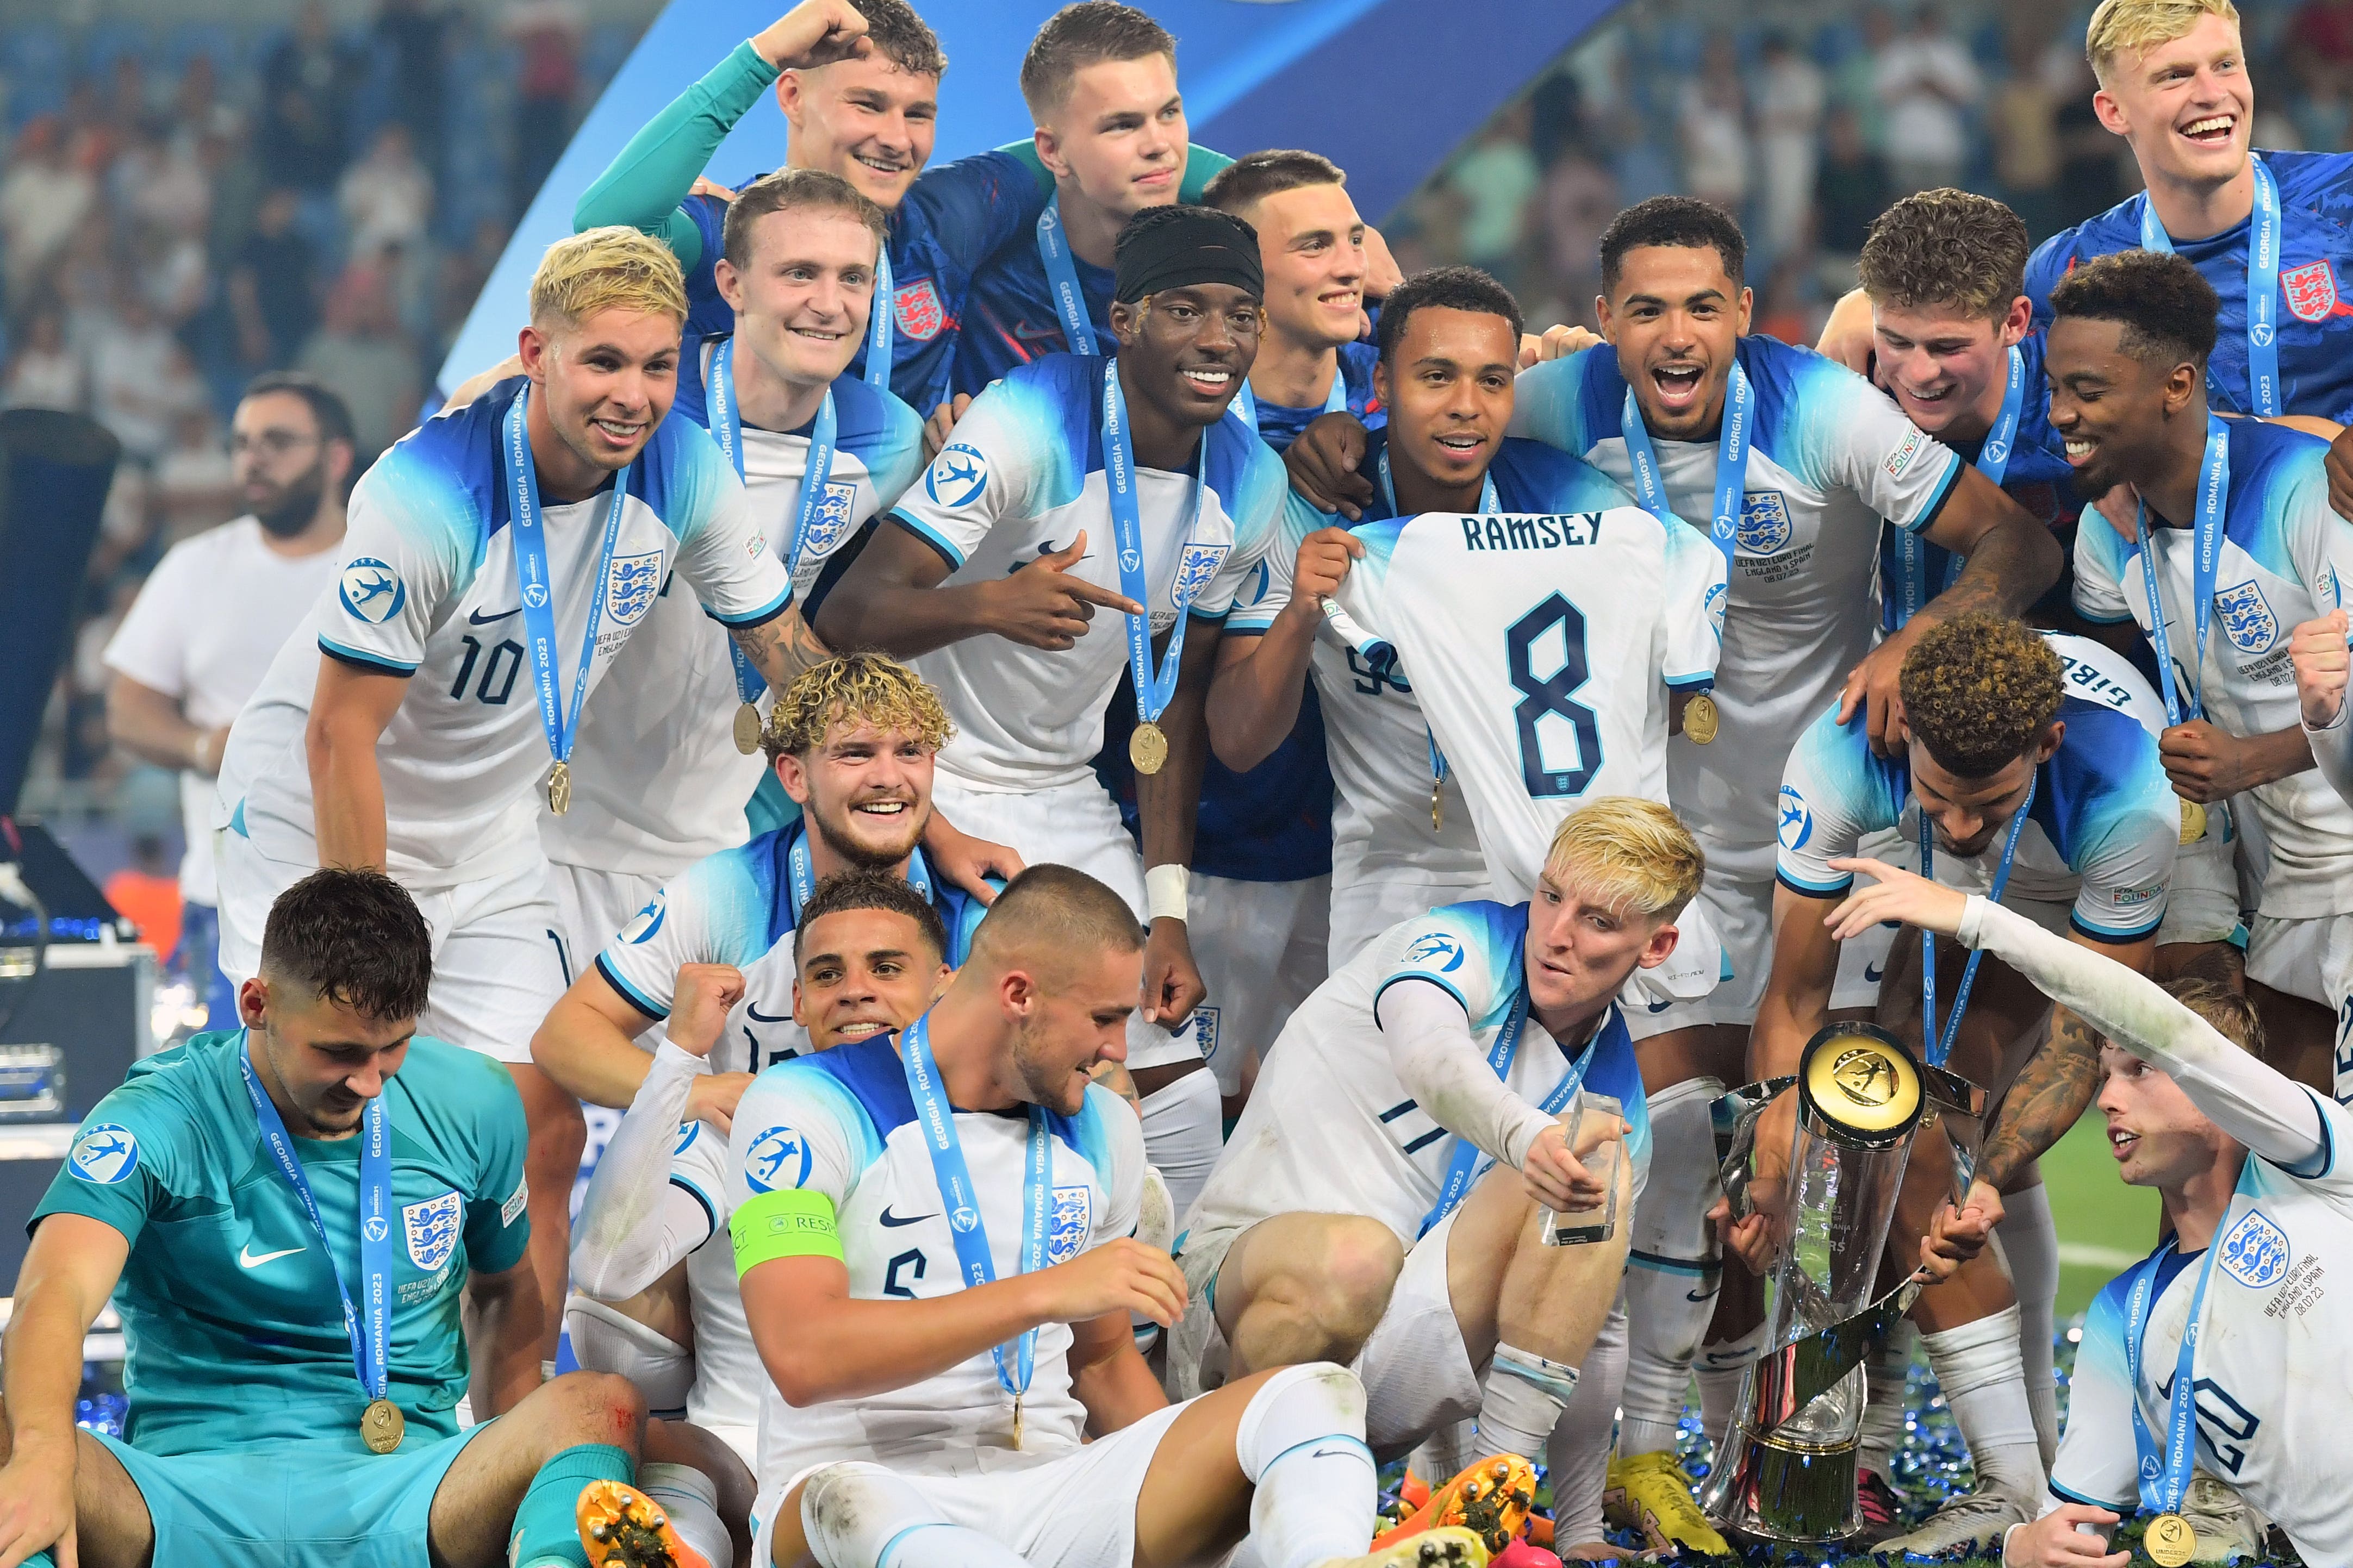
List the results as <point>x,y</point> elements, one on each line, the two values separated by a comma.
<point>793,1222</point>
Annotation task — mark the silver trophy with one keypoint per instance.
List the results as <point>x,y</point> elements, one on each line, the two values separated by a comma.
<point>1784,1468</point>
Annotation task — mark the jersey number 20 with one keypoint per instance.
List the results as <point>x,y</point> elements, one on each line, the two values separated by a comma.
<point>1552,694</point>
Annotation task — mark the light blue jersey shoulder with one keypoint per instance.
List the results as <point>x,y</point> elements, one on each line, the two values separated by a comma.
<point>2277,477</point>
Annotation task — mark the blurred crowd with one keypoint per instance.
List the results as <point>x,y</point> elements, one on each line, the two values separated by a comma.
<point>182,208</point>
<point>1806,120</point>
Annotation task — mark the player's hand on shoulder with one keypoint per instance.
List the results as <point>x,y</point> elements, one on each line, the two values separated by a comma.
<point>970,862</point>
<point>1323,464</point>
<point>2318,652</point>
<point>1323,565</point>
<point>714,1098</point>
<point>37,1502</point>
<point>812,34</point>
<point>1557,1175</point>
<point>1382,273</point>
<point>698,1009</point>
<point>1846,336</point>
<point>1873,687</point>
<point>1121,1276</point>
<point>2054,1541</point>
<point>1045,606</point>
<point>1558,341</point>
<point>706,186</point>
<point>943,423</point>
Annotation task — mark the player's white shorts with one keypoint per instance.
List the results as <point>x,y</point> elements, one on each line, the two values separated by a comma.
<point>1416,1370</point>
<point>1368,900</point>
<point>498,955</point>
<point>2202,901</point>
<point>592,906</point>
<point>1261,948</point>
<point>1073,825</point>
<point>1741,914</point>
<point>1075,1510</point>
<point>2312,959</point>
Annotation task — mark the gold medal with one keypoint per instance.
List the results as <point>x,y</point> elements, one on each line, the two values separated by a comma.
<point>747,730</point>
<point>559,789</point>
<point>2193,828</point>
<point>1700,720</point>
<point>1017,1421</point>
<point>381,1426</point>
<point>2170,1540</point>
<point>1147,748</point>
<point>1436,806</point>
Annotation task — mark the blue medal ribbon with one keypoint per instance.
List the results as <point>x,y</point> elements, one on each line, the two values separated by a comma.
<point>960,1201</point>
<point>2262,287</point>
<point>1732,440</point>
<point>1467,1160</point>
<point>1490,503</point>
<point>1335,401</point>
<point>2213,500</point>
<point>371,1346</point>
<point>879,346</point>
<point>2164,1481</point>
<point>1993,462</point>
<point>822,443</point>
<point>529,526</point>
<point>1941,1046</point>
<point>1062,277</point>
<point>1154,687</point>
<point>802,878</point>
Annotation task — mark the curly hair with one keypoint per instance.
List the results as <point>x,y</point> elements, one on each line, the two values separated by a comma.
<point>353,935</point>
<point>2167,310</point>
<point>1978,690</point>
<point>871,687</point>
<point>1946,247</point>
<point>902,37</point>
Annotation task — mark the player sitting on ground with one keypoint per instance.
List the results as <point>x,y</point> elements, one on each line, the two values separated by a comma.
<point>293,1373</point>
<point>941,1288</point>
<point>2059,798</point>
<point>1349,1219</point>
<point>658,1300</point>
<point>2248,1164</point>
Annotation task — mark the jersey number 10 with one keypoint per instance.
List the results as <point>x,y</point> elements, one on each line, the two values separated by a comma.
<point>1553,694</point>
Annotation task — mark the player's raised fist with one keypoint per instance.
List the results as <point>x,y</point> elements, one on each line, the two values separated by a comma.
<point>1041,604</point>
<point>1121,1276</point>
<point>812,34</point>
<point>2318,650</point>
<point>698,1012</point>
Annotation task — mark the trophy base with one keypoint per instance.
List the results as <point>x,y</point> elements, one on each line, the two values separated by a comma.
<point>1780,1491</point>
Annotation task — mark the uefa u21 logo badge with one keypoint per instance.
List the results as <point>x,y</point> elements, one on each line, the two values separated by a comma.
<point>1865,1077</point>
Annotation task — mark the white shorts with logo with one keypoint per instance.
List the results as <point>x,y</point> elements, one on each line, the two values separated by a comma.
<point>1368,900</point>
<point>1741,914</point>
<point>1075,1510</point>
<point>1073,825</point>
<point>2312,959</point>
<point>1416,1370</point>
<point>1262,947</point>
<point>498,955</point>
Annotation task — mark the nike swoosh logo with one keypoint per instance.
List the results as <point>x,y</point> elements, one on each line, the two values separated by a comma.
<point>1716,1358</point>
<point>752,1011</point>
<point>1708,1295</point>
<point>1871,974</point>
<point>1660,1006</point>
<point>479,619</point>
<point>893,1222</point>
<point>246,1259</point>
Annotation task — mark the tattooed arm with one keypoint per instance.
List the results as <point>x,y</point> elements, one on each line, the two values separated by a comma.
<point>781,648</point>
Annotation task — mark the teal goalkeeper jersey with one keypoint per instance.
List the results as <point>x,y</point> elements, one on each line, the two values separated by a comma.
<point>229,1305</point>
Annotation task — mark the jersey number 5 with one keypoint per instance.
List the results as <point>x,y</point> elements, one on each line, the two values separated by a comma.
<point>1553,694</point>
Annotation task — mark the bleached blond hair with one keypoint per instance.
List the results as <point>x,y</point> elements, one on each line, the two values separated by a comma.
<point>1630,855</point>
<point>2136,24</point>
<point>603,269</point>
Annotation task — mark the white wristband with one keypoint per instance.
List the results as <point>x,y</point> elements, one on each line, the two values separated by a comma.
<point>1165,890</point>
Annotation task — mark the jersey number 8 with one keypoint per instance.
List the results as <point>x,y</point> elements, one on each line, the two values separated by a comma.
<point>1553,694</point>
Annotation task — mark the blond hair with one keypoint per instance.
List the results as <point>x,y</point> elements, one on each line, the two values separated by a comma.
<point>2139,24</point>
<point>1631,855</point>
<point>864,688</point>
<point>2227,1012</point>
<point>606,268</point>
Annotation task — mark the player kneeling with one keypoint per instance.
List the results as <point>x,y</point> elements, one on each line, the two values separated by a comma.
<point>933,1239</point>
<point>296,1231</point>
<point>1382,1200</point>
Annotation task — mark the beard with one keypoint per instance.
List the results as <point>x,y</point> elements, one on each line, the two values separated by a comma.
<point>295,506</point>
<point>866,857</point>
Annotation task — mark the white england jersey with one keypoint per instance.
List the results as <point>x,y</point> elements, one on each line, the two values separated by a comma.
<point>1374,732</point>
<point>2282,560</point>
<point>1331,1127</point>
<point>656,781</point>
<point>842,1123</point>
<point>429,592</point>
<point>1829,457</point>
<point>1542,648</point>
<point>1022,477</point>
<point>2103,832</point>
<point>739,907</point>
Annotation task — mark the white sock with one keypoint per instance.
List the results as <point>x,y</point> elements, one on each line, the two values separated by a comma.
<point>1302,1444</point>
<point>1577,1458</point>
<point>1882,1416</point>
<point>1722,1367</point>
<point>859,1515</point>
<point>692,1501</point>
<point>1524,1395</point>
<point>1445,1453</point>
<point>2030,1245</point>
<point>1984,1382</point>
<point>1673,1267</point>
<point>605,1339</point>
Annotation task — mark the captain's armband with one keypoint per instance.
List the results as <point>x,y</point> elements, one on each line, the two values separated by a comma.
<point>789,1223</point>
